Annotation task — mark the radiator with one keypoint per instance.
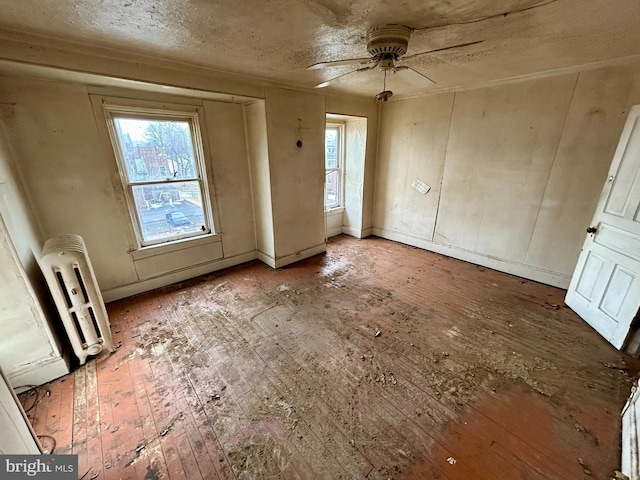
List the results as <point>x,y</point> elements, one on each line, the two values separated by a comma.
<point>67,269</point>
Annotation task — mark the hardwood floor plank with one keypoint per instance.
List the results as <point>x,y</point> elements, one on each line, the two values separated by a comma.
<point>52,419</point>
<point>64,435</point>
<point>223,423</point>
<point>79,443</point>
<point>94,442</point>
<point>239,375</point>
<point>132,422</point>
<point>245,329</point>
<point>195,458</point>
<point>152,457</point>
<point>222,338</point>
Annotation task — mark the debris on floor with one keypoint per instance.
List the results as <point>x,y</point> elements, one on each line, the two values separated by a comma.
<point>585,469</point>
<point>309,389</point>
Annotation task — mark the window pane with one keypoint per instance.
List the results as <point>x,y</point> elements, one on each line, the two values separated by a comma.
<point>331,147</point>
<point>156,149</point>
<point>332,189</point>
<point>169,210</point>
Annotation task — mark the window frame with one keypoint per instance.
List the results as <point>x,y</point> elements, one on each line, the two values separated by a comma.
<point>124,108</point>
<point>340,127</point>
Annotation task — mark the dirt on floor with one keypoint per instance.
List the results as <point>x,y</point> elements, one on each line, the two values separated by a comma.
<point>347,357</point>
<point>375,360</point>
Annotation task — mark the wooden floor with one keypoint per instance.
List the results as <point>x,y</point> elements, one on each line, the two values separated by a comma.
<point>261,373</point>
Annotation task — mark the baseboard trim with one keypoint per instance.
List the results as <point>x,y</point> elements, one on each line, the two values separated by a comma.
<point>39,372</point>
<point>295,257</point>
<point>335,231</point>
<point>268,259</point>
<point>124,291</point>
<point>352,232</point>
<point>356,232</point>
<point>547,277</point>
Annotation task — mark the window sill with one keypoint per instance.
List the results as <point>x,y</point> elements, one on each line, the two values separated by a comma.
<point>334,211</point>
<point>177,245</point>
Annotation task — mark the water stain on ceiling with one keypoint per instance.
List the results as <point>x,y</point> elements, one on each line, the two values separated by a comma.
<point>276,40</point>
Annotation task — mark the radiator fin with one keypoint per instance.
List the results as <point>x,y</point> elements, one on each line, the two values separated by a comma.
<point>94,321</point>
<point>79,331</point>
<point>63,288</point>
<point>81,282</point>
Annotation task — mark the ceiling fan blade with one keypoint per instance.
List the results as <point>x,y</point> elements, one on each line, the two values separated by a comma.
<point>331,80</point>
<point>411,57</point>
<point>326,83</point>
<point>338,63</point>
<point>413,77</point>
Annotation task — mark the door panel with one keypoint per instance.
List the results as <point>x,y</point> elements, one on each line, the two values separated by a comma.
<point>605,288</point>
<point>621,197</point>
<point>616,292</point>
<point>590,274</point>
<point>619,241</point>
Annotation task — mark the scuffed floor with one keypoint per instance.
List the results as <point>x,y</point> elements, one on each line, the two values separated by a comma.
<point>260,373</point>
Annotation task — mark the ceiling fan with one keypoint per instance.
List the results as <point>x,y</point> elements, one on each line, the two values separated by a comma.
<point>386,46</point>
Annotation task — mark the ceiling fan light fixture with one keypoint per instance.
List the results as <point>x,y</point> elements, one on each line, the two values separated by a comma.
<point>387,46</point>
<point>384,96</point>
<point>389,40</point>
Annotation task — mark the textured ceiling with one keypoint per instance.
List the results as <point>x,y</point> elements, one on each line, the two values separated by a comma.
<point>277,39</point>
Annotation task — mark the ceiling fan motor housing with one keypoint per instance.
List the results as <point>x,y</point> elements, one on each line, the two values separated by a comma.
<point>388,40</point>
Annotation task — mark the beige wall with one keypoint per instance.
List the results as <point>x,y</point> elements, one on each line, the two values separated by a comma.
<point>296,173</point>
<point>515,170</point>
<point>70,177</point>
<point>258,151</point>
<point>413,142</point>
<point>230,168</point>
<point>355,169</point>
<point>29,351</point>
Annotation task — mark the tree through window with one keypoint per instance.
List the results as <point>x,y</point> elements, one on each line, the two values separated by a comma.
<point>160,158</point>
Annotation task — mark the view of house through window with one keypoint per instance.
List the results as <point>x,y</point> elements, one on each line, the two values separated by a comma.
<point>163,175</point>
<point>333,166</point>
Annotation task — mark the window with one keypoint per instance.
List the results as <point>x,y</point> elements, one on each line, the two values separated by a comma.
<point>334,164</point>
<point>160,158</point>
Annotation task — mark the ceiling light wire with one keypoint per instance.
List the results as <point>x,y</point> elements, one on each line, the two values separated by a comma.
<point>384,95</point>
<point>482,19</point>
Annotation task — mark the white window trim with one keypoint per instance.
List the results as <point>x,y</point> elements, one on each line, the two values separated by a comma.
<point>341,163</point>
<point>103,108</point>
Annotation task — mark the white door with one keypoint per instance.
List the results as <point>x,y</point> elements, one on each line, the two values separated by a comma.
<point>605,287</point>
